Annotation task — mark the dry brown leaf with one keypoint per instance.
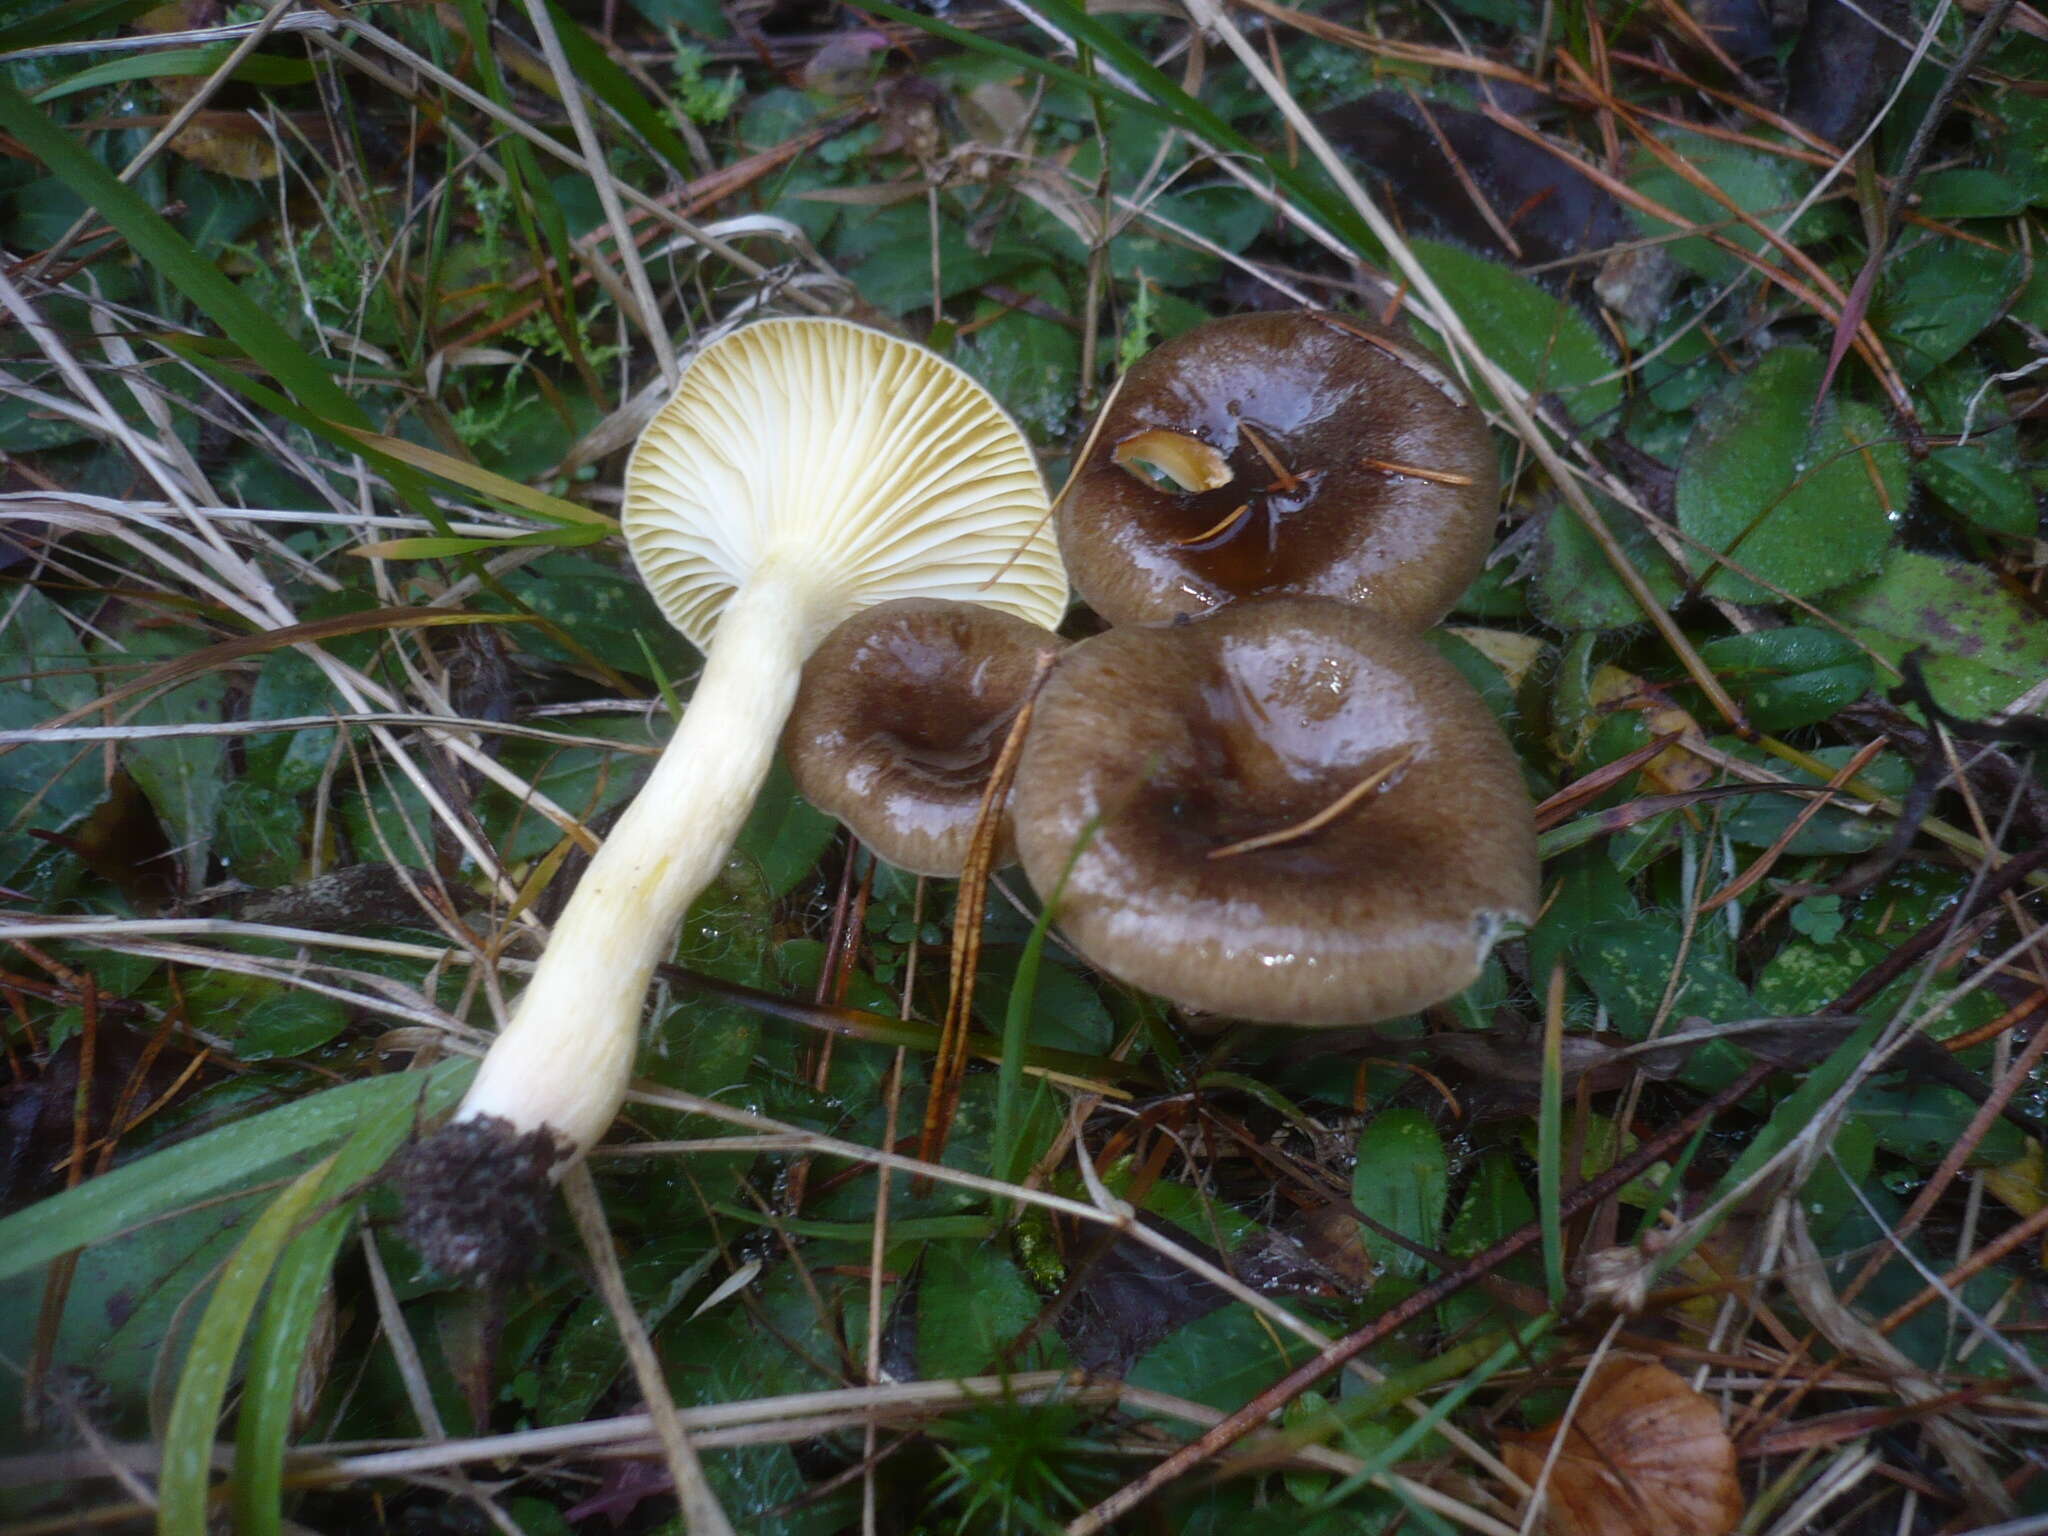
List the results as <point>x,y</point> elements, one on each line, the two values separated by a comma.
<point>1646,1456</point>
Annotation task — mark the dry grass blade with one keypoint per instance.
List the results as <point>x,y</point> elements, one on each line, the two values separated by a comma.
<point>1376,779</point>
<point>1762,864</point>
<point>1506,390</point>
<point>949,1066</point>
<point>702,1515</point>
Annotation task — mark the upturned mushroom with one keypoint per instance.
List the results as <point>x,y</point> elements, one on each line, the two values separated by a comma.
<point>804,469</point>
<point>1292,811</point>
<point>1287,454</point>
<point>900,717</point>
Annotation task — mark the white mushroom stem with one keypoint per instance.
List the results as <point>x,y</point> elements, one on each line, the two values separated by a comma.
<point>565,1058</point>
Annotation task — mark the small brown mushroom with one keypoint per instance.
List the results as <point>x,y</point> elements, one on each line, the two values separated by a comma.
<point>1291,811</point>
<point>900,716</point>
<point>1286,454</point>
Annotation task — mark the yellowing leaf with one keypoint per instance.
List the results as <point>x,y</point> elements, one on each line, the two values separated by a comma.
<point>2021,1185</point>
<point>1645,1456</point>
<point>1674,770</point>
<point>1514,653</point>
<point>217,142</point>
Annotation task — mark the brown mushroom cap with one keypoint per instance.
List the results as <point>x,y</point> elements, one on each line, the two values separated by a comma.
<point>1284,416</point>
<point>1173,742</point>
<point>900,716</point>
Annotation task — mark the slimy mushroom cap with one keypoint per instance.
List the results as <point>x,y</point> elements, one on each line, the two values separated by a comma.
<point>900,717</point>
<point>1184,762</point>
<point>1286,454</point>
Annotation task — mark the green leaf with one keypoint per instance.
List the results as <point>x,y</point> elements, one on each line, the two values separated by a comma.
<point>43,672</point>
<point>1767,186</point>
<point>1630,964</point>
<point>1968,193</point>
<point>1923,1121</point>
<point>1793,1117</point>
<point>183,776</point>
<point>266,1019</point>
<point>1761,819</point>
<point>261,833</point>
<point>785,834</point>
<point>1220,1360</point>
<point>1803,511</point>
<point>1830,1194</point>
<point>1539,337</point>
<point>971,1302</point>
<point>220,1160</point>
<point>1798,675</point>
<point>585,1355</point>
<point>174,63</point>
<point>1576,586</point>
<point>1990,494</point>
<point>1401,1180</point>
<point>1935,297</point>
<point>898,276</point>
<point>1805,978</point>
<point>1033,366</point>
<point>1985,646</point>
<point>203,1383</point>
<point>259,335</point>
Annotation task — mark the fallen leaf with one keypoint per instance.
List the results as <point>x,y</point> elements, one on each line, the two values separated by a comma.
<point>1674,770</point>
<point>2021,1186</point>
<point>1645,1456</point>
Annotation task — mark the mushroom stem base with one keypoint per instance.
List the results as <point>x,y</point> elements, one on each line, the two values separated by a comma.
<point>475,1195</point>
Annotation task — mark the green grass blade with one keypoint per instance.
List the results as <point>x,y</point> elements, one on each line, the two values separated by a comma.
<point>1550,1144</point>
<point>210,1362</point>
<point>277,1351</point>
<point>257,69</point>
<point>1009,1127</point>
<point>540,220</point>
<point>237,1154</point>
<point>71,21</point>
<point>1515,1349</point>
<point>460,544</point>
<point>615,88</point>
<point>159,245</point>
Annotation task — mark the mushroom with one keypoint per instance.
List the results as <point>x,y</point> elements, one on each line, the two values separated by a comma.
<point>1292,811</point>
<point>899,719</point>
<point>805,468</point>
<point>1286,454</point>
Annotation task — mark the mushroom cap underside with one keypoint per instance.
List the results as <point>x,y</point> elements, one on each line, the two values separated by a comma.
<point>1299,454</point>
<point>1155,747</point>
<point>871,464</point>
<point>902,712</point>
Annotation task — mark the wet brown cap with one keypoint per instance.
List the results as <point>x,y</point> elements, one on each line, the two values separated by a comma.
<point>1287,454</point>
<point>899,719</point>
<point>1300,814</point>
